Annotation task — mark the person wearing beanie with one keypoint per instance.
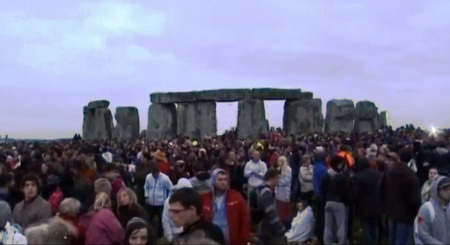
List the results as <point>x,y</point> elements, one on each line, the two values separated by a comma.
<point>227,208</point>
<point>9,233</point>
<point>138,232</point>
<point>434,216</point>
<point>33,209</point>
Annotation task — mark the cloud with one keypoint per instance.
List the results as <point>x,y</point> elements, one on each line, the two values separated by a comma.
<point>102,34</point>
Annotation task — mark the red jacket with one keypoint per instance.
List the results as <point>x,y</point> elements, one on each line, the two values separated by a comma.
<point>237,212</point>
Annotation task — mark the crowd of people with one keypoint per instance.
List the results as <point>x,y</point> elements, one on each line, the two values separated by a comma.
<point>386,187</point>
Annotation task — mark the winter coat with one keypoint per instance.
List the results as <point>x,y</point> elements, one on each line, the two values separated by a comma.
<point>306,178</point>
<point>401,193</point>
<point>238,215</point>
<point>157,190</point>
<point>28,213</point>
<point>367,184</point>
<point>126,213</point>
<point>320,171</point>
<point>103,228</point>
<point>271,226</point>
<point>438,231</point>
<point>283,189</point>
<point>336,187</point>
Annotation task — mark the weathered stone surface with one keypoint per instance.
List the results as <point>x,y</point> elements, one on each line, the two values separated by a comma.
<point>340,116</point>
<point>298,117</point>
<point>366,118</point>
<point>162,121</point>
<point>98,104</point>
<point>307,95</point>
<point>276,94</point>
<point>196,119</point>
<point>97,123</point>
<point>127,119</point>
<point>251,119</point>
<point>318,120</point>
<point>226,95</point>
<point>384,119</point>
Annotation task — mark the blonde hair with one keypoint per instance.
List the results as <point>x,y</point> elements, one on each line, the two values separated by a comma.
<point>131,195</point>
<point>102,200</point>
<point>283,164</point>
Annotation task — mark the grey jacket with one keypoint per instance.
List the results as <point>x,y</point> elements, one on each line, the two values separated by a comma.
<point>438,231</point>
<point>35,212</point>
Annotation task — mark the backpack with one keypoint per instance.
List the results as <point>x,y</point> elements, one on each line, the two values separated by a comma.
<point>56,199</point>
<point>257,212</point>
<point>430,208</point>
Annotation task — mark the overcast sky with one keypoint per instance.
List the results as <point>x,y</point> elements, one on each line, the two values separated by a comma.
<point>57,55</point>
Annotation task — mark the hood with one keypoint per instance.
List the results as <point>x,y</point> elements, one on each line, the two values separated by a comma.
<point>434,188</point>
<point>214,176</point>
<point>182,183</point>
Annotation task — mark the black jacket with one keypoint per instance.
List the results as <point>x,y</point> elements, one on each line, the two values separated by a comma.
<point>366,187</point>
<point>198,230</point>
<point>337,188</point>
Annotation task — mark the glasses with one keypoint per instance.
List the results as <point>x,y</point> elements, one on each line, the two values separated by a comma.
<point>176,211</point>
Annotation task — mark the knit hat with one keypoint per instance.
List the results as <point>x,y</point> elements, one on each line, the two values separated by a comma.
<point>5,213</point>
<point>444,183</point>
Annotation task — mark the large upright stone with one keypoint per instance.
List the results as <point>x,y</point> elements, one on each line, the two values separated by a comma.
<point>318,120</point>
<point>340,116</point>
<point>251,119</point>
<point>384,119</point>
<point>97,121</point>
<point>366,118</point>
<point>162,121</point>
<point>298,117</point>
<point>127,126</point>
<point>196,119</point>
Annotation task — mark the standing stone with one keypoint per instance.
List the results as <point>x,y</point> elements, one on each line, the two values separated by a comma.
<point>384,119</point>
<point>366,118</point>
<point>88,123</point>
<point>127,119</point>
<point>97,121</point>
<point>103,124</point>
<point>162,121</point>
<point>318,120</point>
<point>197,119</point>
<point>251,119</point>
<point>340,116</point>
<point>298,117</point>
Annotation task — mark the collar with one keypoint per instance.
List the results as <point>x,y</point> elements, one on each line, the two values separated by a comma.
<point>192,227</point>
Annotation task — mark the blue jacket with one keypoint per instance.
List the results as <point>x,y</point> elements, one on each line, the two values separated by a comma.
<point>157,191</point>
<point>319,172</point>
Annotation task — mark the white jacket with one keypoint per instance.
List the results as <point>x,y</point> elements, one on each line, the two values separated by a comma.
<point>302,228</point>
<point>255,173</point>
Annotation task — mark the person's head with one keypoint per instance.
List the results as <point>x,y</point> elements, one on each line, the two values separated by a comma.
<point>111,171</point>
<point>302,205</point>
<point>219,180</point>
<point>337,163</point>
<point>69,207</point>
<point>5,213</point>
<point>282,163</point>
<point>126,197</point>
<point>319,154</point>
<point>406,154</point>
<point>30,185</point>
<point>185,206</point>
<point>137,232</point>
<point>306,160</point>
<point>432,173</point>
<point>443,189</point>
<point>56,231</point>
<point>102,200</point>
<point>102,185</point>
<point>6,181</point>
<point>272,177</point>
<point>255,156</point>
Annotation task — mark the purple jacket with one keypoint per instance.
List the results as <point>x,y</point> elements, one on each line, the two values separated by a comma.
<point>103,228</point>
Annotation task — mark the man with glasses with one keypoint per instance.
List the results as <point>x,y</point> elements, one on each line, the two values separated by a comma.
<point>185,210</point>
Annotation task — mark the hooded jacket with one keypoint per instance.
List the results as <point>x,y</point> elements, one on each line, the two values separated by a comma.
<point>157,190</point>
<point>438,231</point>
<point>238,216</point>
